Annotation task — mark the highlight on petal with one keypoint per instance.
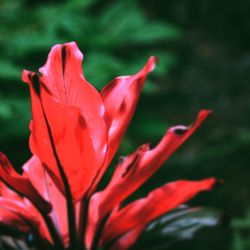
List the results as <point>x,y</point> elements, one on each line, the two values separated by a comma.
<point>158,202</point>
<point>120,98</point>
<point>134,170</point>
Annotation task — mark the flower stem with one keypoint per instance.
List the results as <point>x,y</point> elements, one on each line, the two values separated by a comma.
<point>82,223</point>
<point>99,233</point>
<point>54,235</point>
<point>68,195</point>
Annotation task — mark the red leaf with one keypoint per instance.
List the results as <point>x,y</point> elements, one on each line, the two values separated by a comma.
<point>120,98</point>
<point>15,214</point>
<point>21,184</point>
<point>161,200</point>
<point>42,182</point>
<point>62,75</point>
<point>134,170</point>
<point>67,105</point>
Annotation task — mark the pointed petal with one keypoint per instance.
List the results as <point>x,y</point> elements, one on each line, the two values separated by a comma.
<point>134,170</point>
<point>64,100</point>
<point>61,129</point>
<point>158,202</point>
<point>42,182</point>
<point>21,185</point>
<point>40,144</point>
<point>120,98</point>
<point>62,75</point>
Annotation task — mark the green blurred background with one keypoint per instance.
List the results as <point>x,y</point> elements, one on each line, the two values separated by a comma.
<point>204,52</point>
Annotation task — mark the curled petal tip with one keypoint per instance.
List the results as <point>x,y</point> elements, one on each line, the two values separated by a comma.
<point>218,183</point>
<point>213,183</point>
<point>148,67</point>
<point>144,147</point>
<point>152,61</point>
<point>205,112</point>
<point>156,59</point>
<point>26,76</point>
<point>73,43</point>
<point>180,130</point>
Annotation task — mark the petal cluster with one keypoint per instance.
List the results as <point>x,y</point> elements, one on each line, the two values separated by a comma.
<point>75,133</point>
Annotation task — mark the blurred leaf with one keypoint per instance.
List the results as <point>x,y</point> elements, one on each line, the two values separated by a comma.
<point>158,31</point>
<point>8,70</point>
<point>75,4</point>
<point>149,128</point>
<point>133,26</point>
<point>14,117</point>
<point>241,229</point>
<point>100,68</point>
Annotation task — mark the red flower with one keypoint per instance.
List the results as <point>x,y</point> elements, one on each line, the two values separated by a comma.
<point>75,133</point>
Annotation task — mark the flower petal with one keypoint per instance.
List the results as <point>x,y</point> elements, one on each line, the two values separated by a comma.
<point>42,182</point>
<point>40,144</point>
<point>134,170</point>
<point>22,218</point>
<point>62,130</point>
<point>73,143</point>
<point>62,75</point>
<point>120,98</point>
<point>21,185</point>
<point>128,239</point>
<point>158,202</point>
<point>73,110</point>
<point>6,192</point>
<point>12,216</point>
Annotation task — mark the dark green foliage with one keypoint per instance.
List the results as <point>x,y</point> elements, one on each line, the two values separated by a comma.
<point>116,39</point>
